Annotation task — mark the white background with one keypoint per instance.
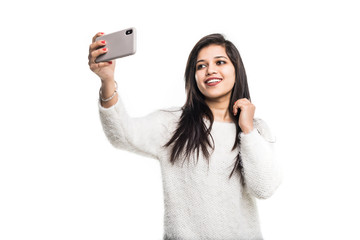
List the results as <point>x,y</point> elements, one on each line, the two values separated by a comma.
<point>61,179</point>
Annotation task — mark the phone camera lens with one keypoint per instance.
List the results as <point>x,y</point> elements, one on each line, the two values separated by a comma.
<point>128,32</point>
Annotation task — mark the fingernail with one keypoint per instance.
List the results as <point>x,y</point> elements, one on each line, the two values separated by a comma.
<point>101,33</point>
<point>103,41</point>
<point>110,62</point>
<point>104,49</point>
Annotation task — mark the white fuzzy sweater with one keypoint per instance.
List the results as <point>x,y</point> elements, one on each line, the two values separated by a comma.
<point>200,200</point>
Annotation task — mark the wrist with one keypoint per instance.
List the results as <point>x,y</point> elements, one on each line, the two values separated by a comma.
<point>107,80</point>
<point>106,89</point>
<point>247,130</point>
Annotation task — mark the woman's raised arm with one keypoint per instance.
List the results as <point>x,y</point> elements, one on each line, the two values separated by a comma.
<point>142,135</point>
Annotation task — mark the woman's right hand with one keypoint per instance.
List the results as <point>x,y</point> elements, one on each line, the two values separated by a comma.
<point>105,70</point>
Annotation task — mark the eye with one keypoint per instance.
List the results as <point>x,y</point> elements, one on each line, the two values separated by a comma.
<point>220,62</point>
<point>200,66</point>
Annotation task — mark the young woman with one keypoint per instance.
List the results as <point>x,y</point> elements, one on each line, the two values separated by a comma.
<point>215,157</point>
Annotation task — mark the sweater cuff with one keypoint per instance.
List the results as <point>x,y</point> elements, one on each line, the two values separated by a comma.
<point>103,109</point>
<point>250,138</point>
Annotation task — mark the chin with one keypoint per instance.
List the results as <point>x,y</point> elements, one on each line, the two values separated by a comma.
<point>217,95</point>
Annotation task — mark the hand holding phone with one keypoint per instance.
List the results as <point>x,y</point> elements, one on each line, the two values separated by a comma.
<point>105,70</point>
<point>119,44</point>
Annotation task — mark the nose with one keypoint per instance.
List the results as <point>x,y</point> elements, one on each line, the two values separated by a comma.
<point>211,69</point>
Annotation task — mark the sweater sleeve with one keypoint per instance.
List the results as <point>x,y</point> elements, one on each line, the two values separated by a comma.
<point>262,172</point>
<point>141,135</point>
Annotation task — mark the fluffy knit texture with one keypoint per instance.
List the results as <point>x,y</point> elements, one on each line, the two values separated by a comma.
<point>200,200</point>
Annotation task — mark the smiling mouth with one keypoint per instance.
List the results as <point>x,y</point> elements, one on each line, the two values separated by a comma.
<point>212,82</point>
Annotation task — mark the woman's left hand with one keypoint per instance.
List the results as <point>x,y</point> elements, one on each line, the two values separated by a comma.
<point>247,110</point>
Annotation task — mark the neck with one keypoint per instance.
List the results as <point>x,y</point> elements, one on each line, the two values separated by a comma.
<point>219,108</point>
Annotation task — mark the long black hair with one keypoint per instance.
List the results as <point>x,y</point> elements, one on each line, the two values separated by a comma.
<point>192,131</point>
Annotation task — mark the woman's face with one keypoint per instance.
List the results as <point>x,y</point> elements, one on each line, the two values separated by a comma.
<point>215,73</point>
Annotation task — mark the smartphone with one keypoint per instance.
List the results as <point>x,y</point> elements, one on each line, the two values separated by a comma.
<point>119,44</point>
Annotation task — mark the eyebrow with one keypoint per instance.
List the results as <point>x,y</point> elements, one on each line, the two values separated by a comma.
<point>201,60</point>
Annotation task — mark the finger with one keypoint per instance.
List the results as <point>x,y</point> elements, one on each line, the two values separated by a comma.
<point>240,103</point>
<point>235,110</point>
<point>96,45</point>
<point>97,35</point>
<point>94,66</point>
<point>94,54</point>
<point>235,107</point>
<point>244,100</point>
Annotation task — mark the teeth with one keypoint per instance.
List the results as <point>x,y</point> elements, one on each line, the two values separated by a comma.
<point>213,80</point>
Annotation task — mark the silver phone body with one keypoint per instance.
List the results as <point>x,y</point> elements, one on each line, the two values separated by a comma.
<point>119,44</point>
